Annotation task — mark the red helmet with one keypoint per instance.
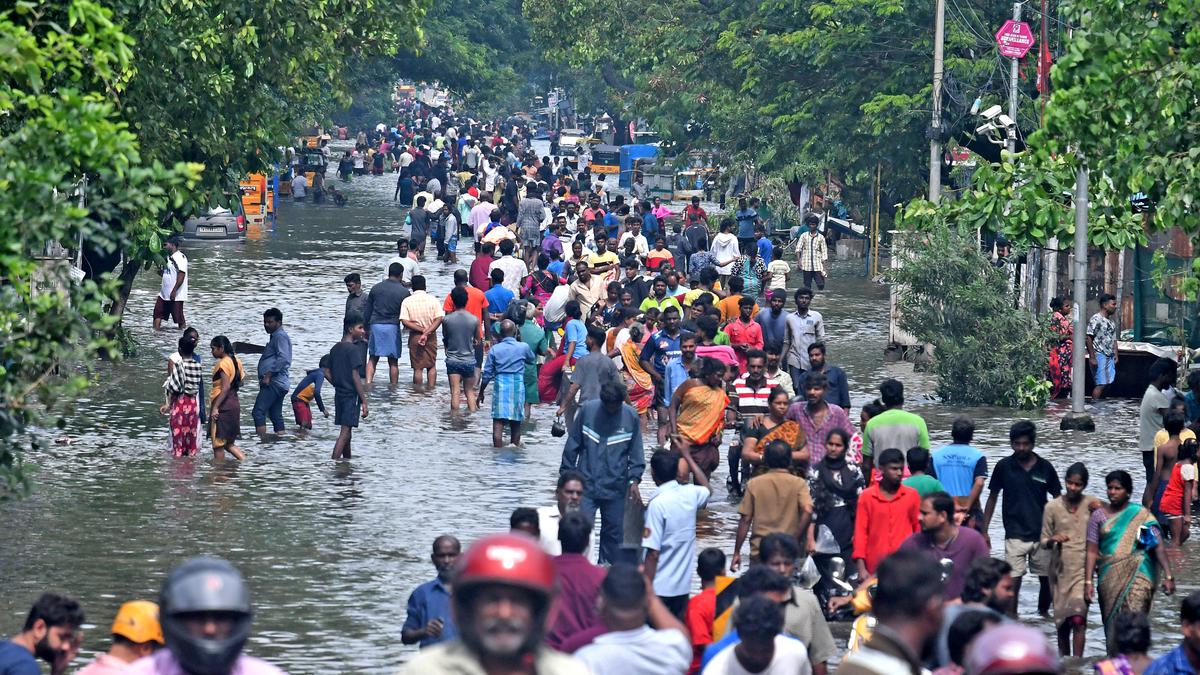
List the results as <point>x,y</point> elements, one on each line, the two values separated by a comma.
<point>1011,648</point>
<point>509,559</point>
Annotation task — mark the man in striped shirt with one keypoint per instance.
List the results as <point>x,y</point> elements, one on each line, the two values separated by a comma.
<point>753,388</point>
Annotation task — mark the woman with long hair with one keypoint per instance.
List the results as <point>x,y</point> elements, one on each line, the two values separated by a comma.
<point>182,388</point>
<point>1061,346</point>
<point>224,411</point>
<point>1123,544</point>
<point>835,483</point>
<point>773,427</point>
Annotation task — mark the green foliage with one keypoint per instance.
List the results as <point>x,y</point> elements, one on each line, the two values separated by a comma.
<point>56,84</point>
<point>1033,392</point>
<point>1125,98</point>
<point>224,83</point>
<point>795,86</point>
<point>479,49</point>
<point>951,296</point>
<point>1031,200</point>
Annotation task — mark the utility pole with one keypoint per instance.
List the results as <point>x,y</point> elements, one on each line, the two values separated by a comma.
<point>935,126</point>
<point>1012,89</point>
<point>1077,418</point>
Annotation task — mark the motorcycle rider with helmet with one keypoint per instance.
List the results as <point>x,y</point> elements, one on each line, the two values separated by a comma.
<point>136,633</point>
<point>503,589</point>
<point>205,615</point>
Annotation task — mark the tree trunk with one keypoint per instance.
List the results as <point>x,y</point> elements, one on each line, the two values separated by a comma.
<point>129,271</point>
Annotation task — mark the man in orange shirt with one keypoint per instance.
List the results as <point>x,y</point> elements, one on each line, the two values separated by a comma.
<point>887,514</point>
<point>476,304</point>
<point>729,304</point>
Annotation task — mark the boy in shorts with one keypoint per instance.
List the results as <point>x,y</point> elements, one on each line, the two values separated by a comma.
<point>346,374</point>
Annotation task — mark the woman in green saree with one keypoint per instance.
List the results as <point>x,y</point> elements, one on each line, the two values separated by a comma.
<point>1123,545</point>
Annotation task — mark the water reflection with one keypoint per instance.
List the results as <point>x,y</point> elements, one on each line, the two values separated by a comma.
<point>332,550</point>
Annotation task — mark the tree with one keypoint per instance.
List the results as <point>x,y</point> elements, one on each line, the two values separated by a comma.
<point>796,87</point>
<point>225,83</point>
<point>478,49</point>
<point>59,81</point>
<point>1029,198</point>
<point>1125,99</point>
<point>951,296</point>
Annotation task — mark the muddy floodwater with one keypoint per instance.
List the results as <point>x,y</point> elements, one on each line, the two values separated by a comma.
<point>330,550</point>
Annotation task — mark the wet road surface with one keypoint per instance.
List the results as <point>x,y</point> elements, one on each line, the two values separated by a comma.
<point>332,550</point>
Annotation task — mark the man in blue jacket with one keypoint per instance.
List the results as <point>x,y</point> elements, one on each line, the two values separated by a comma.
<point>604,444</point>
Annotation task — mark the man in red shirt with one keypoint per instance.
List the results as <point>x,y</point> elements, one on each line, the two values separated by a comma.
<point>579,581</point>
<point>481,267</point>
<point>693,214</point>
<point>476,304</point>
<point>744,332</point>
<point>702,608</point>
<point>887,514</point>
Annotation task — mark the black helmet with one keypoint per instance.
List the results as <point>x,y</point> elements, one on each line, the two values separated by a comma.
<point>199,585</point>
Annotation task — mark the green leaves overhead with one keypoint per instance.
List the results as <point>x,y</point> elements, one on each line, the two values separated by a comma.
<point>58,76</point>
<point>1126,96</point>
<point>835,84</point>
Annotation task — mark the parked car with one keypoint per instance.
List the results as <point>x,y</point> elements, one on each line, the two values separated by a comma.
<point>218,222</point>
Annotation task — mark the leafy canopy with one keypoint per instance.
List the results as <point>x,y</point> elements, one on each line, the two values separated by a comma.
<point>57,82</point>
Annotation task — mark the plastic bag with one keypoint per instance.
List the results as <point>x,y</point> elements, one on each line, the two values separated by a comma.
<point>559,428</point>
<point>826,543</point>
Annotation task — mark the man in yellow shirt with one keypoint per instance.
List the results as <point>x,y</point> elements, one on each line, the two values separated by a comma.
<point>604,263</point>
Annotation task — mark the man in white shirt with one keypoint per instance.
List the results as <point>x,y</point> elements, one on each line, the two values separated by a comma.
<point>631,647</point>
<point>174,290</point>
<point>641,247</point>
<point>568,497</point>
<point>491,173</point>
<point>299,185</point>
<point>411,267</point>
<point>763,649</point>
<point>669,536</point>
<point>406,158</point>
<point>471,156</point>
<point>515,269</point>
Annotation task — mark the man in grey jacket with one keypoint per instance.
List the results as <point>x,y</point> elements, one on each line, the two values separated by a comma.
<point>604,444</point>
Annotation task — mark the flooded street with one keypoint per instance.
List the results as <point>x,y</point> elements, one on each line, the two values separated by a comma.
<point>331,551</point>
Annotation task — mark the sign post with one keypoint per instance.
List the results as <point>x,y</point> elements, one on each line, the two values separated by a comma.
<point>1014,39</point>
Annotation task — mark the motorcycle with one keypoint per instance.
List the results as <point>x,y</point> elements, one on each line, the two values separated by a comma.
<point>831,582</point>
<point>864,625</point>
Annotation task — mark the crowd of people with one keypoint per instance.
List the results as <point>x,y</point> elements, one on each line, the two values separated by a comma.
<point>660,341</point>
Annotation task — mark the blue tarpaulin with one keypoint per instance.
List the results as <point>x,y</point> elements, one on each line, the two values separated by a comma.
<point>630,153</point>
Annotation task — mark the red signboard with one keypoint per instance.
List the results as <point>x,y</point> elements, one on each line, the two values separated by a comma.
<point>1015,39</point>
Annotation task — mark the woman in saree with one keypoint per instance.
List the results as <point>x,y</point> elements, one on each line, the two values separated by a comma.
<point>1124,543</point>
<point>637,380</point>
<point>698,413</point>
<point>1060,347</point>
<point>225,413</point>
<point>773,426</point>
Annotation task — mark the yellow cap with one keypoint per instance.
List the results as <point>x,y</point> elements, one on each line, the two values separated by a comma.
<point>137,621</point>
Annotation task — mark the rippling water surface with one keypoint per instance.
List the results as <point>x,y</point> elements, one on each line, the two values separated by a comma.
<point>331,551</point>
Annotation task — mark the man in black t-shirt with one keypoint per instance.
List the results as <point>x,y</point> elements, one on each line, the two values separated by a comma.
<point>1028,482</point>
<point>346,374</point>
